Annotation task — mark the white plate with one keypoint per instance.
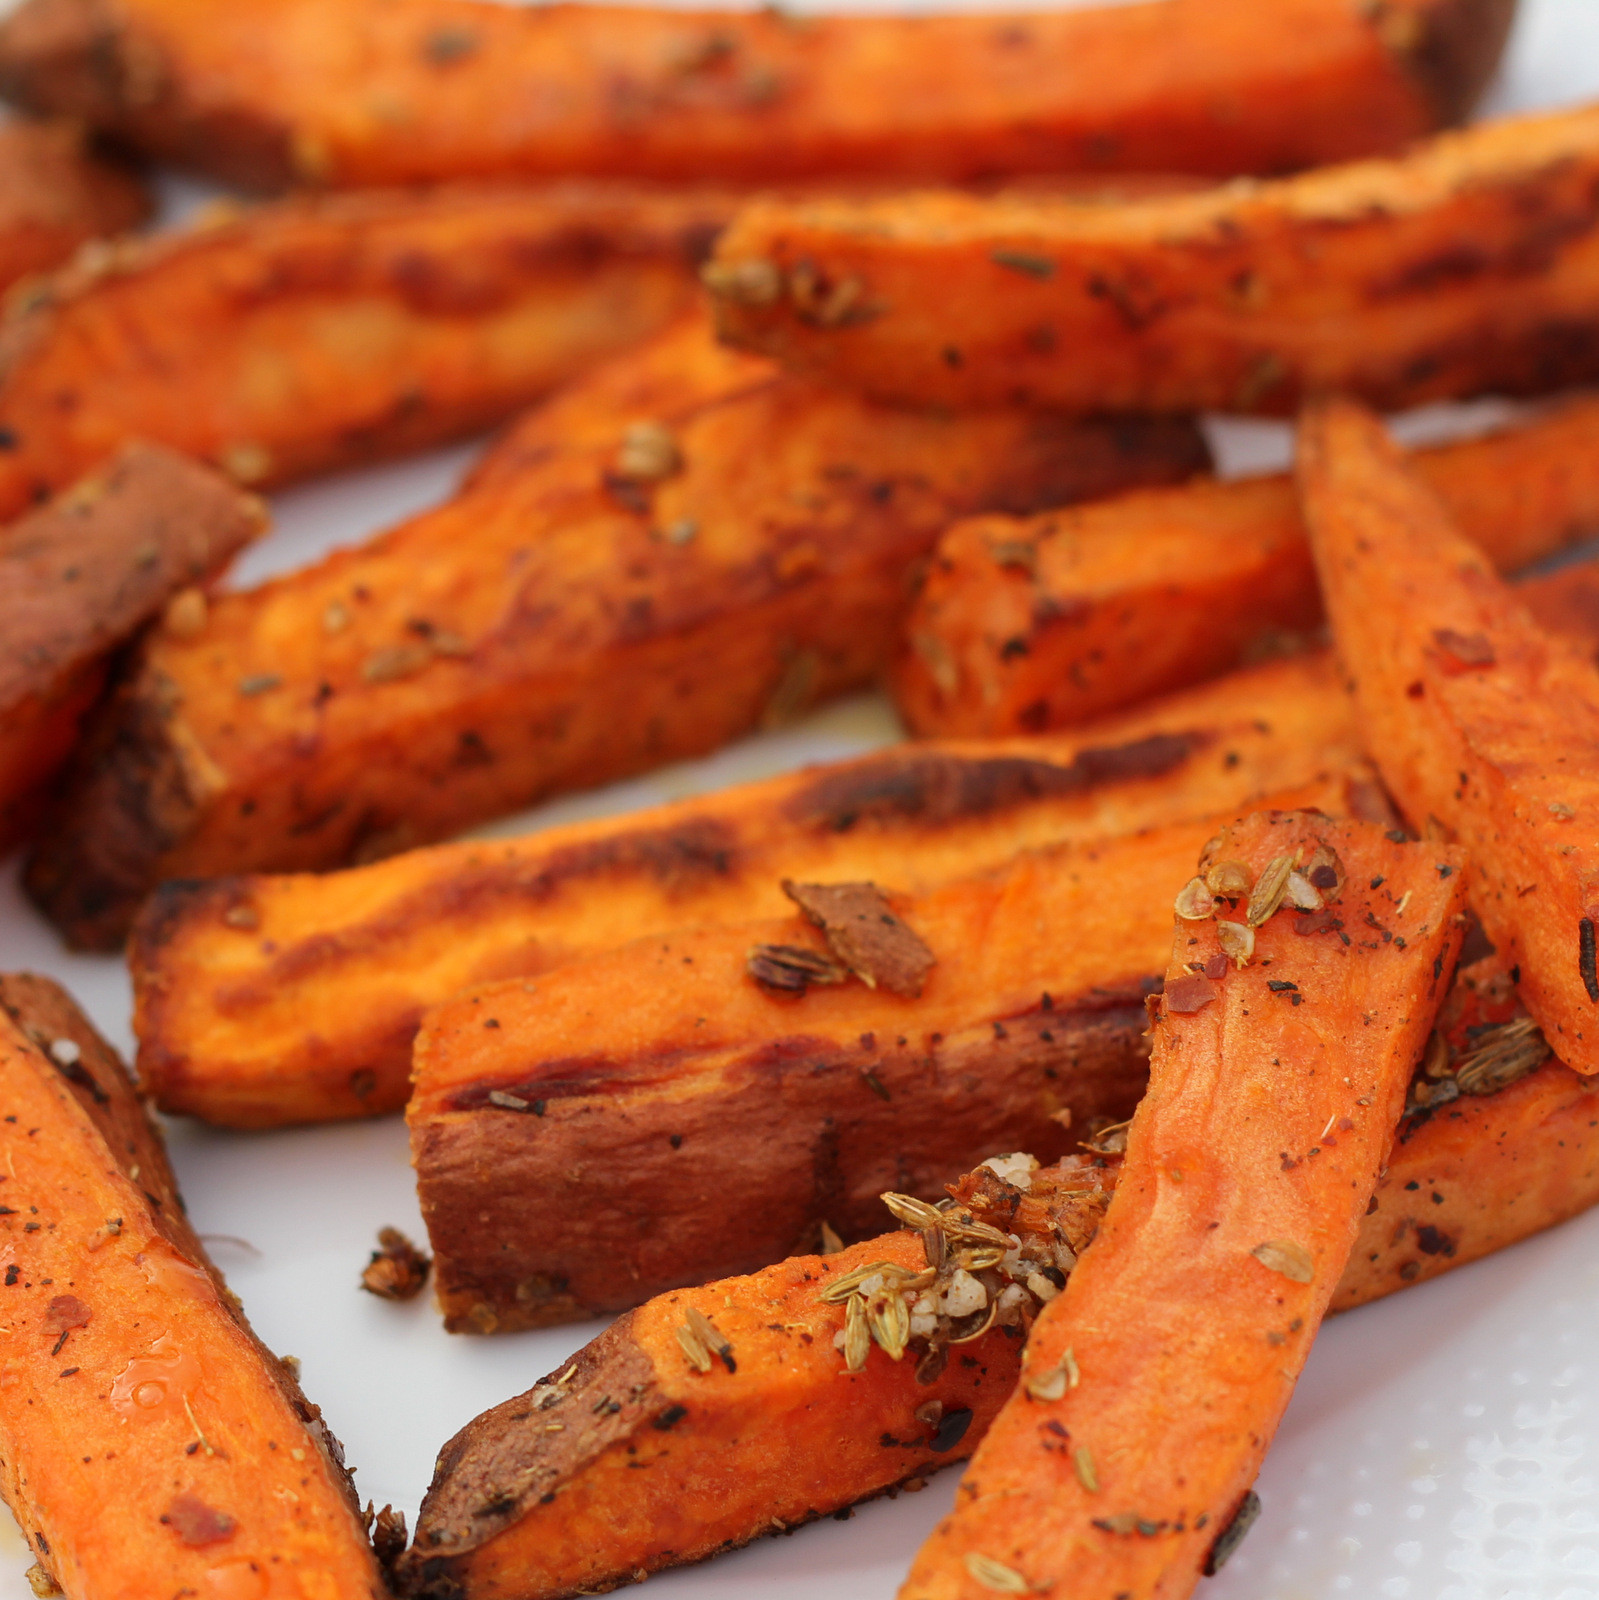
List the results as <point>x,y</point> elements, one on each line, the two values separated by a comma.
<point>1444,1445</point>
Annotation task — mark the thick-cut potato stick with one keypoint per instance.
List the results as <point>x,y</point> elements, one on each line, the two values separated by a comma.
<point>149,1444</point>
<point>1039,622</point>
<point>269,92</point>
<point>1470,264</point>
<point>579,612</point>
<point>294,338</point>
<point>78,577</point>
<point>572,1513</point>
<point>274,999</point>
<point>531,1098</point>
<point>1485,726</point>
<point>1274,1091</point>
<point>56,193</point>
<point>693,1454</point>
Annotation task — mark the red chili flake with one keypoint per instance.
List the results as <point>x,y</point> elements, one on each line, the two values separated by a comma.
<point>1316,921</point>
<point>1217,966</point>
<point>1462,652</point>
<point>196,1523</point>
<point>1184,995</point>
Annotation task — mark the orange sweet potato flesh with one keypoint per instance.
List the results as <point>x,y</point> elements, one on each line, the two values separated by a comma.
<point>578,612</point>
<point>687,1462</point>
<point>1485,726</point>
<point>78,577</point>
<point>1025,623</point>
<point>289,339</point>
<point>151,1444</point>
<point>1468,265</point>
<point>1248,1167</point>
<point>269,92</point>
<point>266,1000</point>
<point>530,1098</point>
<point>57,193</point>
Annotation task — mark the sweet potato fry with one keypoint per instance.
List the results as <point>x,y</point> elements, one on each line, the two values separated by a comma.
<point>1026,623</point>
<point>530,1098</point>
<point>1274,1090</point>
<point>1485,726</point>
<point>150,1444</point>
<point>572,1513</point>
<point>696,1453</point>
<point>1470,264</point>
<point>273,999</point>
<point>269,92</point>
<point>78,577</point>
<point>294,338</point>
<point>57,193</point>
<point>576,616</point>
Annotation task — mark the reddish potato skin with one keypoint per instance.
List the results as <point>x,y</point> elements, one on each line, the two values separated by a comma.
<point>81,575</point>
<point>272,92</point>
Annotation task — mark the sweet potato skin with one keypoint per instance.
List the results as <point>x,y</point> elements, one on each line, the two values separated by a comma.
<point>266,1000</point>
<point>57,193</point>
<point>1037,622</point>
<point>639,1061</point>
<point>146,1312</point>
<point>1187,1339</point>
<point>283,340</point>
<point>1466,266</point>
<point>1485,726</point>
<point>77,578</point>
<point>381,698</point>
<point>272,92</point>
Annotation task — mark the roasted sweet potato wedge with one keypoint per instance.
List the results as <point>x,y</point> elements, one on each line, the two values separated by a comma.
<point>78,577</point>
<point>1470,264</point>
<point>269,92</point>
<point>294,338</point>
<point>531,1098</point>
<point>1282,1058</point>
<point>758,1403</point>
<point>56,193</point>
<point>150,1443</point>
<point>1505,1157</point>
<point>1485,725</point>
<point>266,1000</point>
<point>580,614</point>
<point>1026,623</point>
<point>1497,1163</point>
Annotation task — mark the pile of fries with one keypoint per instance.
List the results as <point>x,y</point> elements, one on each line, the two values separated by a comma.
<point>1222,952</point>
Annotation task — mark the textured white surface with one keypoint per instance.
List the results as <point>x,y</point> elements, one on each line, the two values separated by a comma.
<point>1444,1445</point>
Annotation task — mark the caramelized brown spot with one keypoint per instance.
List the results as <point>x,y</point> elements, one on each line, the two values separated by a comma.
<point>196,1523</point>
